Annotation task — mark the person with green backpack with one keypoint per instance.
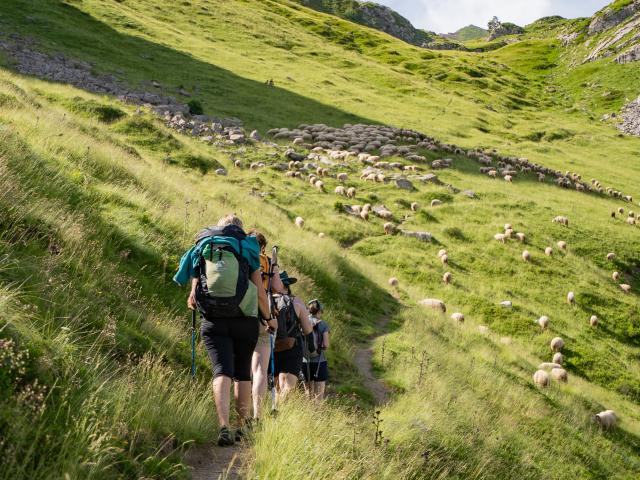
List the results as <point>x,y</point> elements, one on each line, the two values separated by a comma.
<point>315,369</point>
<point>223,268</point>
<point>293,324</point>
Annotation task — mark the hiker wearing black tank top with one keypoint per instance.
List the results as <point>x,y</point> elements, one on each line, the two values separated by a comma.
<point>315,368</point>
<point>293,324</point>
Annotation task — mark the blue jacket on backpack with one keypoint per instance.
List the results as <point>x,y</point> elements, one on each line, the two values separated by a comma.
<point>191,258</point>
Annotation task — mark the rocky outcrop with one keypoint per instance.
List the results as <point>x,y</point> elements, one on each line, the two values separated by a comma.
<point>373,15</point>
<point>498,29</point>
<point>611,17</point>
<point>632,55</point>
<point>616,40</point>
<point>630,123</point>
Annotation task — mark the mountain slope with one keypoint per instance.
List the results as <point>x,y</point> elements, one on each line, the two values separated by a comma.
<point>470,32</point>
<point>99,197</point>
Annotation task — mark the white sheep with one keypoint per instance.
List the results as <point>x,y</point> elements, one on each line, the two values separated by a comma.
<point>415,206</point>
<point>571,298</point>
<point>237,164</point>
<point>500,237</point>
<point>393,281</point>
<point>312,180</point>
<point>444,259</point>
<point>521,237</point>
<point>351,192</point>
<point>321,235</point>
<point>631,221</point>
<point>526,256</point>
<point>441,252</point>
<point>548,366</point>
<point>548,251</point>
<point>339,190</point>
<point>543,321</point>
<point>561,220</point>
<point>434,304</point>
<point>541,378</point>
<point>389,228</point>
<point>364,214</point>
<point>319,185</point>
<point>558,358</point>
<point>508,178</point>
<point>457,317</point>
<point>342,177</point>
<point>435,202</point>
<point>508,233</point>
<point>447,277</point>
<point>299,222</point>
<point>611,256</point>
<point>366,207</point>
<point>562,245</point>
<point>559,374</point>
<point>615,276</point>
<point>507,226</point>
<point>625,288</point>
<point>593,321</point>
<point>556,344</point>
<point>606,419</point>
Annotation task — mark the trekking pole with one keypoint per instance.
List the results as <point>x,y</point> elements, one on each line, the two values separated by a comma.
<point>272,369</point>
<point>193,343</point>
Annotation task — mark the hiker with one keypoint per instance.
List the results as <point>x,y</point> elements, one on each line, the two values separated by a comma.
<point>226,288</point>
<point>262,352</point>
<point>315,369</point>
<point>293,323</point>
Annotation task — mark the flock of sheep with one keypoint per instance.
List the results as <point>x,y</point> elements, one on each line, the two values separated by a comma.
<point>360,142</point>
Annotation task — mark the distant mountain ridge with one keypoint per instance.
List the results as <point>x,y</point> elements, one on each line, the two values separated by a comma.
<point>465,34</point>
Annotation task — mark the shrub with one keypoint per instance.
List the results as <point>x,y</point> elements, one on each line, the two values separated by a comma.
<point>195,107</point>
<point>93,109</point>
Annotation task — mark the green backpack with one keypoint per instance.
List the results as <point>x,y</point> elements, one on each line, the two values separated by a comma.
<point>224,289</point>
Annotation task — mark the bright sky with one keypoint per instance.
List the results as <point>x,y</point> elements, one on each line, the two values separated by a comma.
<point>445,16</point>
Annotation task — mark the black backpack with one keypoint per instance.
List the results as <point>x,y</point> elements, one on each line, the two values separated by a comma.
<point>288,322</point>
<point>223,275</point>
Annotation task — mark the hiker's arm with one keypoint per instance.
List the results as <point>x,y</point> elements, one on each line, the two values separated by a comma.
<point>325,340</point>
<point>276,282</point>
<point>263,303</point>
<point>191,301</point>
<point>303,315</point>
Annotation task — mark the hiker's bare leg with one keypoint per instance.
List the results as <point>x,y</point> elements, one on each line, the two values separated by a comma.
<point>318,390</point>
<point>259,367</point>
<point>287,382</point>
<point>222,398</point>
<point>243,399</point>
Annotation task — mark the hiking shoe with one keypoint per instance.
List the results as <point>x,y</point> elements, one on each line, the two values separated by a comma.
<point>243,431</point>
<point>225,439</point>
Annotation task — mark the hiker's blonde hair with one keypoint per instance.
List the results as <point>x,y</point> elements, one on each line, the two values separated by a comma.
<point>230,219</point>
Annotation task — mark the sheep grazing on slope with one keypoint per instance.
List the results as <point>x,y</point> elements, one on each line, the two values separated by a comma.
<point>556,344</point>
<point>593,321</point>
<point>548,251</point>
<point>299,222</point>
<point>434,304</point>
<point>508,178</point>
<point>615,276</point>
<point>621,211</point>
<point>548,366</point>
<point>559,374</point>
<point>541,378</point>
<point>507,226</point>
<point>571,298</point>
<point>447,277</point>
<point>444,259</point>
<point>339,190</point>
<point>435,202</point>
<point>393,281</point>
<point>562,245</point>
<point>526,256</point>
<point>631,221</point>
<point>342,177</point>
<point>415,206</point>
<point>457,317</point>
<point>351,192</point>
<point>500,237</point>
<point>561,220</point>
<point>319,185</point>
<point>364,215</point>
<point>441,252</point>
<point>606,419</point>
<point>389,228</point>
<point>521,237</point>
<point>321,235</point>
<point>611,256</point>
<point>543,321</point>
<point>558,358</point>
<point>508,233</point>
<point>237,164</point>
<point>625,288</point>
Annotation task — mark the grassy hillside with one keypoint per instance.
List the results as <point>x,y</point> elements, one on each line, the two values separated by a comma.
<point>98,200</point>
<point>470,32</point>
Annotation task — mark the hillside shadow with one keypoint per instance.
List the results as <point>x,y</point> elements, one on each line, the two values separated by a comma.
<point>59,27</point>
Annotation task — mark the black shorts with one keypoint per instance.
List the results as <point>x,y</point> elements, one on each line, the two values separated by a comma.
<point>319,371</point>
<point>289,361</point>
<point>230,343</point>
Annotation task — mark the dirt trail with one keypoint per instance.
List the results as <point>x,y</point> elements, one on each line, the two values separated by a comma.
<point>362,359</point>
<point>210,462</point>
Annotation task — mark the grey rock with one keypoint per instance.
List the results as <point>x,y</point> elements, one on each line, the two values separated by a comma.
<point>404,184</point>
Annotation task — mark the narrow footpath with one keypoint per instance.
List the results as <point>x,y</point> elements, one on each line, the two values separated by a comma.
<point>363,358</point>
